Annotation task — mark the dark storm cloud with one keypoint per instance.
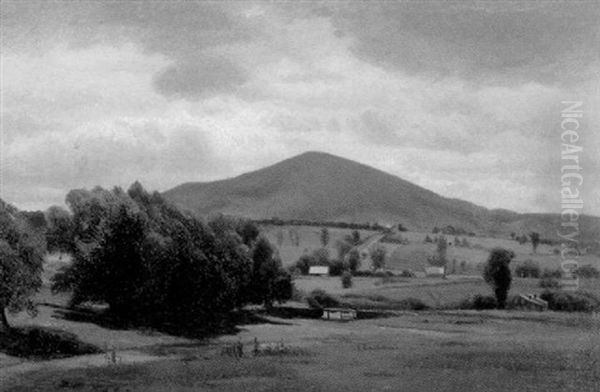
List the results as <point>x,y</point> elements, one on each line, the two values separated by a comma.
<point>542,41</point>
<point>194,79</point>
<point>188,33</point>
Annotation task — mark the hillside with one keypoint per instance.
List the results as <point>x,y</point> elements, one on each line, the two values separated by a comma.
<point>318,186</point>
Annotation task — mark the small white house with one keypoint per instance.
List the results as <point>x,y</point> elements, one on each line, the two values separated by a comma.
<point>434,271</point>
<point>319,270</point>
<point>340,314</point>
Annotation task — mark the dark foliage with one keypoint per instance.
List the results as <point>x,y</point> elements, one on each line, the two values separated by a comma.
<point>571,301</point>
<point>479,302</point>
<point>346,280</point>
<point>528,269</point>
<point>319,299</point>
<point>587,272</point>
<point>39,343</point>
<point>21,251</point>
<point>497,273</point>
<point>155,264</point>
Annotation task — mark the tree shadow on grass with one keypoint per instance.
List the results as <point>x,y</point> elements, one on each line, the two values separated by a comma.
<point>203,329</point>
<point>43,343</point>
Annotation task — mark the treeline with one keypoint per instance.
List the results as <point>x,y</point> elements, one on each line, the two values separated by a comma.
<point>152,263</point>
<point>303,222</point>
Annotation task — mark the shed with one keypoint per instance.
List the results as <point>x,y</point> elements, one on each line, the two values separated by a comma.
<point>318,270</point>
<point>531,302</point>
<point>341,314</point>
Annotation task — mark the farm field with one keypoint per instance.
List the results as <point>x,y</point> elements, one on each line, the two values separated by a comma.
<point>413,256</point>
<point>413,351</point>
<point>434,292</point>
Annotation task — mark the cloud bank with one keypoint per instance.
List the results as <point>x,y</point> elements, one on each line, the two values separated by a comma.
<point>461,98</point>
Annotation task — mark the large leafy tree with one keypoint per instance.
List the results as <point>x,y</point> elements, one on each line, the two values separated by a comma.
<point>21,258</point>
<point>270,282</point>
<point>60,230</point>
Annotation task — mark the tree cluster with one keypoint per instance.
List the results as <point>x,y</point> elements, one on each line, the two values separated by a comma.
<point>150,261</point>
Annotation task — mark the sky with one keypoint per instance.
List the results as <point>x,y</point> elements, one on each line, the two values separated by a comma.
<point>461,98</point>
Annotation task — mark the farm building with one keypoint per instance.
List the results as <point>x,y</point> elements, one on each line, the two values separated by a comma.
<point>531,302</point>
<point>341,314</point>
<point>319,270</point>
<point>434,271</point>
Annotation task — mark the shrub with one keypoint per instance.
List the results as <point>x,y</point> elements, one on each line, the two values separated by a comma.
<point>548,282</point>
<point>587,272</point>
<point>479,302</point>
<point>346,280</point>
<point>411,304</point>
<point>304,263</point>
<point>528,269</point>
<point>353,260</point>
<point>570,302</point>
<point>407,274</point>
<point>549,273</point>
<point>378,255</point>
<point>337,267</point>
<point>319,299</point>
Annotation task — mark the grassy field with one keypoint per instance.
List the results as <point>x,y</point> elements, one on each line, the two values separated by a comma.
<point>429,351</point>
<point>413,256</point>
<point>438,350</point>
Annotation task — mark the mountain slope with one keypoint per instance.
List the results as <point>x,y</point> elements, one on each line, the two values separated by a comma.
<point>318,186</point>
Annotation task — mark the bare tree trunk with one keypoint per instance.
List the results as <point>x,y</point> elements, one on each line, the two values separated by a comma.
<point>4,325</point>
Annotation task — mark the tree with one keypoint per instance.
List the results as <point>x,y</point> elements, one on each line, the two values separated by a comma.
<point>535,240</point>
<point>353,260</point>
<point>343,247</point>
<point>324,236</point>
<point>441,257</point>
<point>497,274</point>
<point>355,237</point>
<point>346,279</point>
<point>60,234</point>
<point>21,257</point>
<point>269,281</point>
<point>378,254</point>
<point>249,233</point>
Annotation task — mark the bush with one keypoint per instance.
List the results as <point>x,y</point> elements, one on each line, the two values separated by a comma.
<point>346,280</point>
<point>319,299</point>
<point>570,302</point>
<point>479,302</point>
<point>411,304</point>
<point>304,263</point>
<point>337,267</point>
<point>587,272</point>
<point>548,282</point>
<point>528,269</point>
<point>548,273</point>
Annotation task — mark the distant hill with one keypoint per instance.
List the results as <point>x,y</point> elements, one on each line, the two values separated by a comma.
<point>322,187</point>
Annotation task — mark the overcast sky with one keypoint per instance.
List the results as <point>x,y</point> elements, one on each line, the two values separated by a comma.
<point>463,99</point>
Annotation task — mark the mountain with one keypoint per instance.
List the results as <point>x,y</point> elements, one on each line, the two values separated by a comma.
<point>322,187</point>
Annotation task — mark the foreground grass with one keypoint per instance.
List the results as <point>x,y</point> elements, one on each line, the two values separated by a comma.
<point>428,351</point>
